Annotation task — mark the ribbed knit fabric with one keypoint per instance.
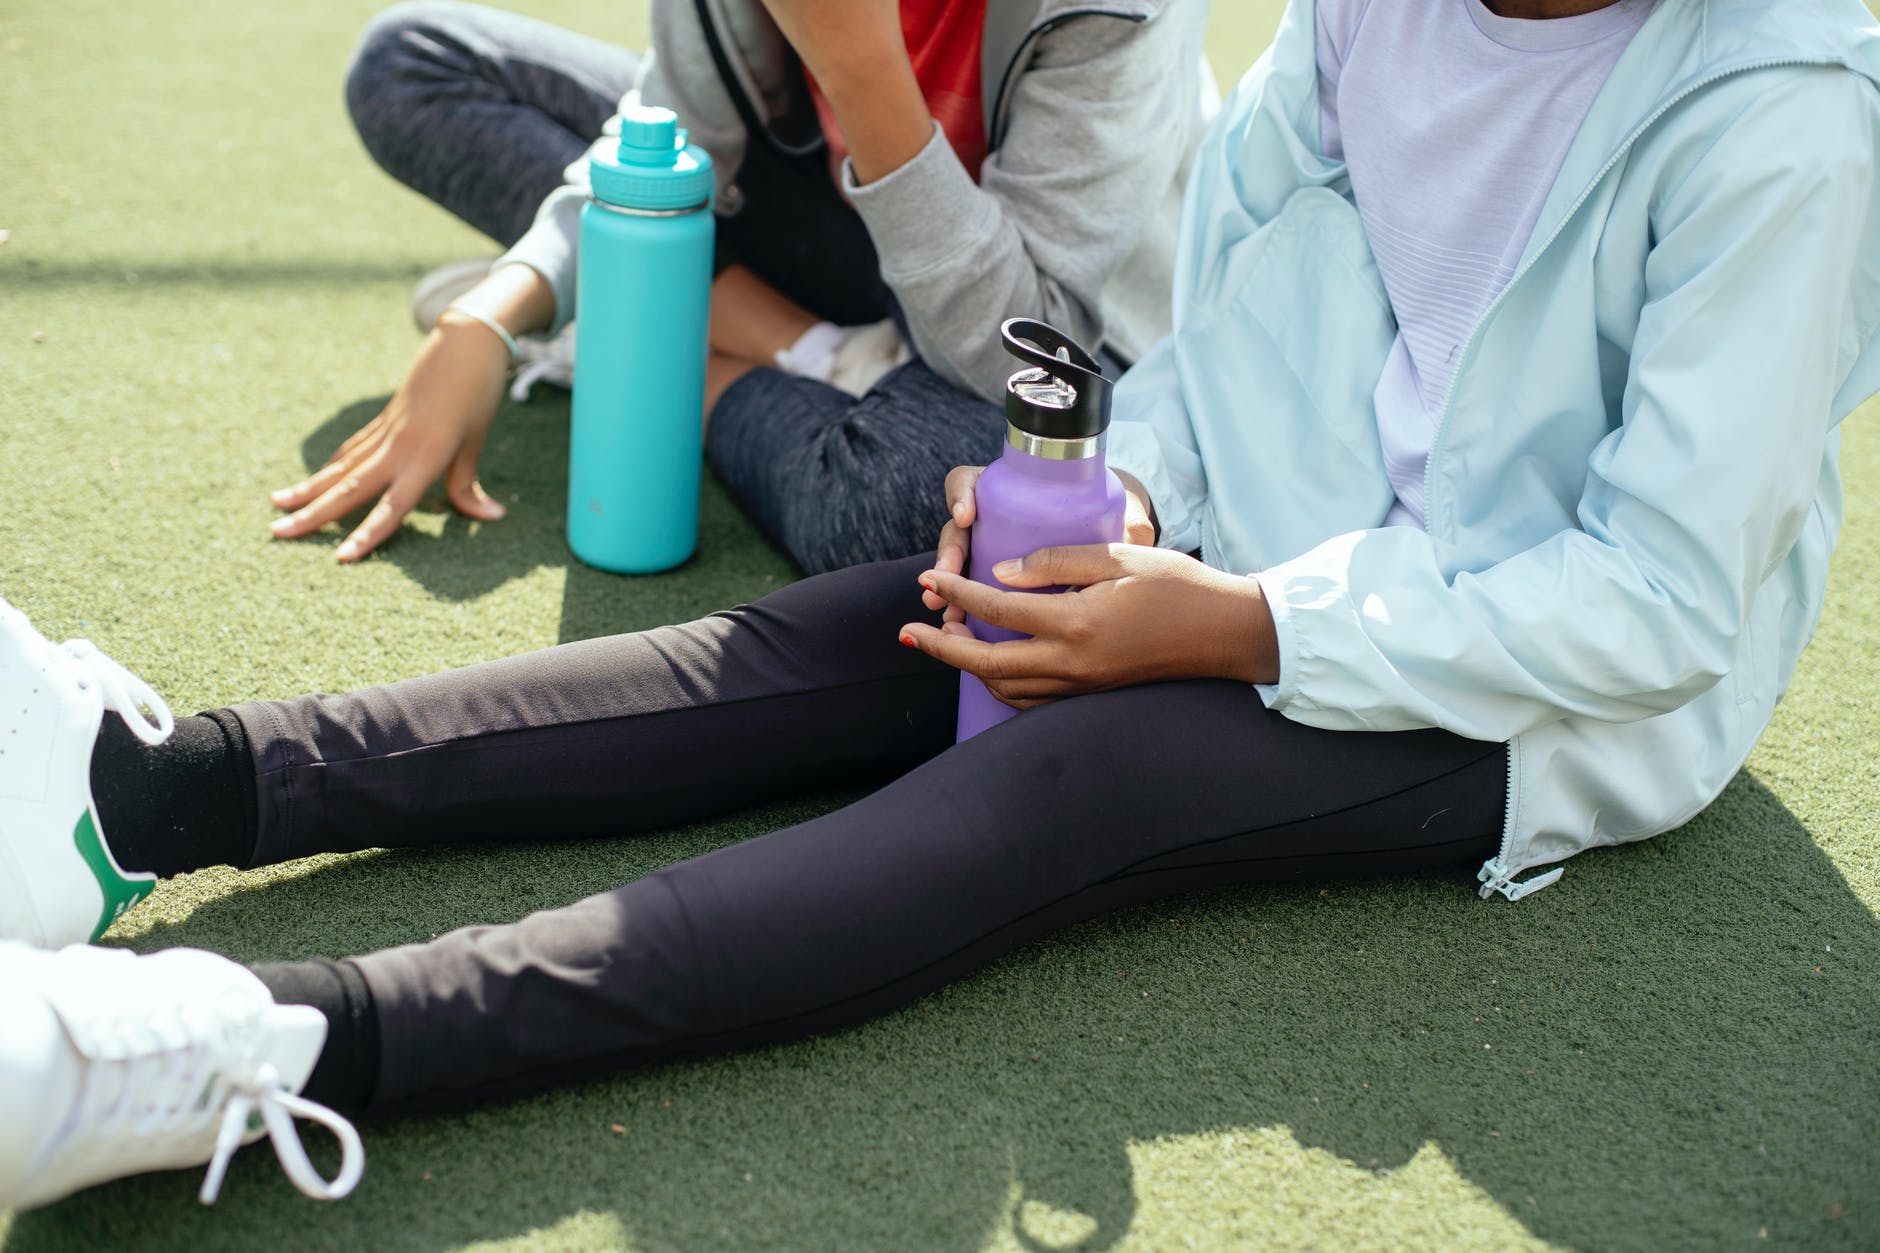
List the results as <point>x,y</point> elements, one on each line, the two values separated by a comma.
<point>348,1069</point>
<point>1454,122</point>
<point>177,806</point>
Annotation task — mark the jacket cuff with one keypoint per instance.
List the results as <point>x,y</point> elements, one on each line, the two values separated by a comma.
<point>549,248</point>
<point>1292,648</point>
<point>923,213</point>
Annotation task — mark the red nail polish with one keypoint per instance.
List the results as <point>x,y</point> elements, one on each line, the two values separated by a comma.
<point>909,641</point>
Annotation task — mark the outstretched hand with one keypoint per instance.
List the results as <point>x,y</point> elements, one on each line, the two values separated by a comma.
<point>434,424</point>
<point>1132,615</point>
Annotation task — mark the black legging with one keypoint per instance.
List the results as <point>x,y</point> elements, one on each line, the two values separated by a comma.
<point>1069,810</point>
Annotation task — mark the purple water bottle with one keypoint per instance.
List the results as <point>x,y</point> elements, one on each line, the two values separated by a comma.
<point>1049,487</point>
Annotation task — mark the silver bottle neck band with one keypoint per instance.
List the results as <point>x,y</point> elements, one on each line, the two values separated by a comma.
<point>1054,449</point>
<point>623,211</point>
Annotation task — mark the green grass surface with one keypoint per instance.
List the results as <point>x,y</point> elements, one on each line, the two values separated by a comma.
<point>204,290</point>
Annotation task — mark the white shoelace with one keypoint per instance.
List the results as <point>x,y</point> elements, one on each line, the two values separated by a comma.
<point>141,708</point>
<point>540,359</point>
<point>109,1102</point>
<point>279,1108</point>
<point>534,372</point>
<point>181,1072</point>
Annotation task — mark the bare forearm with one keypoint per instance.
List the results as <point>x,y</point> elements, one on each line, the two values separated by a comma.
<point>858,54</point>
<point>516,296</point>
<point>1243,630</point>
<point>883,117</point>
<point>752,320</point>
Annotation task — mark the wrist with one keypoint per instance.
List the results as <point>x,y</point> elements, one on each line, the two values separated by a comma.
<point>465,316</point>
<point>883,117</point>
<point>462,353</point>
<point>864,62</point>
<point>515,296</point>
<point>1251,638</point>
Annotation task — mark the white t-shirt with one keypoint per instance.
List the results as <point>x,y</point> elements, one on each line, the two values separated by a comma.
<point>1453,123</point>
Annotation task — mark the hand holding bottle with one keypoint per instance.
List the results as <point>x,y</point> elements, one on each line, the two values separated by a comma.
<point>955,546</point>
<point>1053,518</point>
<point>1139,615</point>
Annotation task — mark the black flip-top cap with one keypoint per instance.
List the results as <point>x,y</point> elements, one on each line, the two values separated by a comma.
<point>1063,395</point>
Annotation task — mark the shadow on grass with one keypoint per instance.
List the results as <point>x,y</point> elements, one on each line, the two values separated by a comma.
<point>525,465</point>
<point>1673,1049</point>
<point>32,271</point>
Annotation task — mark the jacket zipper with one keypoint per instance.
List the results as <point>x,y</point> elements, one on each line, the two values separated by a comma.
<point>1495,875</point>
<point>755,129</point>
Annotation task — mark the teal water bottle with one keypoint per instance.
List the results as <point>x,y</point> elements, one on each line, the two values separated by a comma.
<point>642,296</point>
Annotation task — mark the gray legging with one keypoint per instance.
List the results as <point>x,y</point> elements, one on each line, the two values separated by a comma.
<point>480,110</point>
<point>1071,809</point>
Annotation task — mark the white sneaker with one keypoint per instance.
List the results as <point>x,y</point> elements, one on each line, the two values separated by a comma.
<point>112,1064</point>
<point>59,883</point>
<point>543,359</point>
<point>439,287</point>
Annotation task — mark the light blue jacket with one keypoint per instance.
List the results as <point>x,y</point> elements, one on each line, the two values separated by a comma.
<point>1632,492</point>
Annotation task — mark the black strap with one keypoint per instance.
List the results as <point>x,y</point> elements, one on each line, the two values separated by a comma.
<point>734,86</point>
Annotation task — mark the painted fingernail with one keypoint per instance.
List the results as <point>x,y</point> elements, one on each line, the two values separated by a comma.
<point>909,641</point>
<point>1006,569</point>
<point>926,581</point>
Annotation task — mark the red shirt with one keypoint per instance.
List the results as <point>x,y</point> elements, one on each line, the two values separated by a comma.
<point>943,41</point>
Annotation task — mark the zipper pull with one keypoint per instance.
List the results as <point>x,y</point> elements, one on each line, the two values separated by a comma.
<point>1496,877</point>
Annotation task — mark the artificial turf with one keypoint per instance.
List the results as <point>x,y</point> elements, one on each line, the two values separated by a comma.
<point>202,290</point>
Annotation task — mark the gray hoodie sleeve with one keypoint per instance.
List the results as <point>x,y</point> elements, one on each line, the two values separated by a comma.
<point>1099,127</point>
<point>549,246</point>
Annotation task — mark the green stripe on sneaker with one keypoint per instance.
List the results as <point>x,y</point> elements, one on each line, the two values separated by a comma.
<point>119,893</point>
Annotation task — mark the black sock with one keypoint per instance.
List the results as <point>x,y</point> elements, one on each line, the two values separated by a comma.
<point>348,1070</point>
<point>177,806</point>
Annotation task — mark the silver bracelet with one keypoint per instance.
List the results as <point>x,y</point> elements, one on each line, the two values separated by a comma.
<point>502,332</point>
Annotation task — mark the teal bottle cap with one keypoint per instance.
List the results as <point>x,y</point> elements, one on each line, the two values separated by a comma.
<point>652,169</point>
<point>647,135</point>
